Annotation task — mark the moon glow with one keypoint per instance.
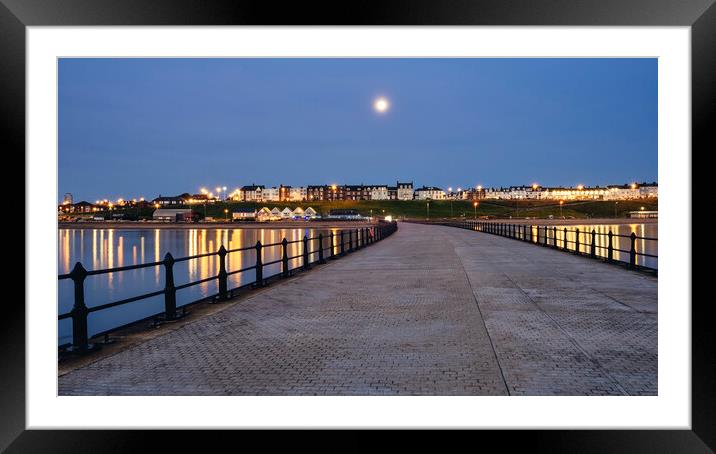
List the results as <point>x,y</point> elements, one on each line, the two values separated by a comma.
<point>381,105</point>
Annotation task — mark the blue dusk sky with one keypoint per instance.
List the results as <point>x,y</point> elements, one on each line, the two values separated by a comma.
<point>144,127</point>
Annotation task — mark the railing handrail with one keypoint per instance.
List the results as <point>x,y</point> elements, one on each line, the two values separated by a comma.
<point>363,237</point>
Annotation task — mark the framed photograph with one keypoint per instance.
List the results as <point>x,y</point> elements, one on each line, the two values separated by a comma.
<point>422,216</point>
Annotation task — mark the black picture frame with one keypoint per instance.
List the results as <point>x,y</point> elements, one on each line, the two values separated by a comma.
<point>700,15</point>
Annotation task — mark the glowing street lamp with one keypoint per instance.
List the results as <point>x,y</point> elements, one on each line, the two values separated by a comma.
<point>226,214</point>
<point>561,202</point>
<point>474,204</point>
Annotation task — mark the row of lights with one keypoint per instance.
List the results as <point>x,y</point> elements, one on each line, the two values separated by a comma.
<point>535,186</point>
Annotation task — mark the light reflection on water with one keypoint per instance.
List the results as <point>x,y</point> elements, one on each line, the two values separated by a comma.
<point>108,248</point>
<point>642,245</point>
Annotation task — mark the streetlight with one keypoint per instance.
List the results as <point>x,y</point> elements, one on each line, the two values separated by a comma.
<point>615,208</point>
<point>226,213</point>
<point>474,204</point>
<point>561,202</point>
<point>428,210</point>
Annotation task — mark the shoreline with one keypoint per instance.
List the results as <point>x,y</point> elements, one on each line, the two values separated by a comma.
<point>133,225</point>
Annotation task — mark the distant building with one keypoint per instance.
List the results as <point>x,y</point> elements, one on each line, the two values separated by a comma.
<point>253,193</point>
<point>317,193</point>
<point>200,198</point>
<point>378,192</point>
<point>275,214</point>
<point>642,214</point>
<point>356,192</point>
<point>310,213</point>
<point>173,214</point>
<point>272,194</point>
<point>429,193</point>
<point>405,190</point>
<point>67,199</point>
<point>168,201</point>
<point>344,214</point>
<point>649,190</point>
<point>243,214</point>
<point>79,207</point>
<point>264,214</point>
<point>284,193</point>
<point>335,192</point>
<point>298,194</point>
<point>297,213</point>
<point>286,213</point>
<point>393,193</point>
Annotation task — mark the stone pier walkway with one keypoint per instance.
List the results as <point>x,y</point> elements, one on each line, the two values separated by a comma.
<point>430,310</point>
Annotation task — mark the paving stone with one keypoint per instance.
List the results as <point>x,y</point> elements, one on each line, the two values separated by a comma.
<point>428,311</point>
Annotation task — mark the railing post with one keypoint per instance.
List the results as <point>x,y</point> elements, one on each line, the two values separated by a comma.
<point>330,236</point>
<point>593,247</point>
<point>610,249</point>
<point>223,286</point>
<point>564,239</point>
<point>170,292</point>
<point>259,266</point>
<point>545,235</point>
<point>350,241</point>
<point>554,235</point>
<point>79,310</point>
<point>320,249</point>
<point>305,253</point>
<point>576,242</point>
<point>632,251</point>
<point>284,257</point>
<point>343,248</point>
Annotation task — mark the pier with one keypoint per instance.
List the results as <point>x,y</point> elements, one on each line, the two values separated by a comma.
<point>430,310</point>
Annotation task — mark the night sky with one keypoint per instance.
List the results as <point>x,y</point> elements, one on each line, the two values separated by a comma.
<point>144,127</point>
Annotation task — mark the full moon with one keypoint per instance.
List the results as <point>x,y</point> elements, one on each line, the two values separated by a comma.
<point>381,105</point>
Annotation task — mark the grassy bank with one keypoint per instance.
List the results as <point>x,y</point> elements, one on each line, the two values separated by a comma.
<point>439,209</point>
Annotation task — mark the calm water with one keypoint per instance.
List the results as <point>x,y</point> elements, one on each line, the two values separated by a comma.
<point>602,241</point>
<point>108,248</point>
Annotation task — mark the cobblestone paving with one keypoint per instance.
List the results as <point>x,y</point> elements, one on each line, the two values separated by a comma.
<point>429,311</point>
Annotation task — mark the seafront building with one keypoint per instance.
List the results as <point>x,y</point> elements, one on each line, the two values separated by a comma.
<point>579,192</point>
<point>430,193</point>
<point>401,191</point>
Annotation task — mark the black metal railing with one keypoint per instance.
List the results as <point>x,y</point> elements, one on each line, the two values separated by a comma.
<point>345,241</point>
<point>558,238</point>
